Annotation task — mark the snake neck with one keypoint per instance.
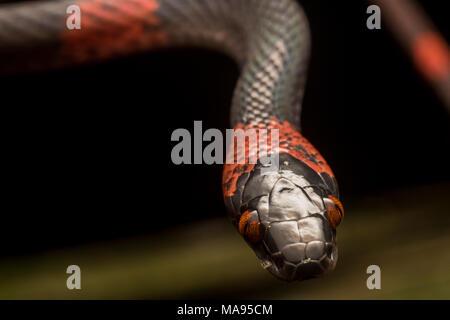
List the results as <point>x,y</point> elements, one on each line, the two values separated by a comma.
<point>270,40</point>
<point>292,150</point>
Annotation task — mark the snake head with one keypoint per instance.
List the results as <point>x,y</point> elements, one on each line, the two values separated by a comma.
<point>289,218</point>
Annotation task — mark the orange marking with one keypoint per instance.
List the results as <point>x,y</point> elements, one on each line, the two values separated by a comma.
<point>250,227</point>
<point>337,202</point>
<point>243,222</point>
<point>431,55</point>
<point>335,212</point>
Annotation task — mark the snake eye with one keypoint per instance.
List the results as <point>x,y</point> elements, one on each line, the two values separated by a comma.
<point>335,211</point>
<point>250,227</point>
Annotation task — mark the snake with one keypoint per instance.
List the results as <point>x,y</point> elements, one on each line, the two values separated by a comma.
<point>287,213</point>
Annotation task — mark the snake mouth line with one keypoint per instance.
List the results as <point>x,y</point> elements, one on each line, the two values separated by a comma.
<point>305,269</point>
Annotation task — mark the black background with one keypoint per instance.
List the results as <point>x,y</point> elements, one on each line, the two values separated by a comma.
<point>87,150</point>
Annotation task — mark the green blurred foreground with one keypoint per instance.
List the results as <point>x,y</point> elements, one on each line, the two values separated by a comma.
<point>406,233</point>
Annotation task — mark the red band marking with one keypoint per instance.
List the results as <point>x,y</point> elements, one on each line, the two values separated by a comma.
<point>112,28</point>
<point>431,55</point>
<point>290,141</point>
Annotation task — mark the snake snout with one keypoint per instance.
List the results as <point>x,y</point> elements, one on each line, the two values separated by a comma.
<point>300,249</point>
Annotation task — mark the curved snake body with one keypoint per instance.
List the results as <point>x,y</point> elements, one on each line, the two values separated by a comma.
<point>287,215</point>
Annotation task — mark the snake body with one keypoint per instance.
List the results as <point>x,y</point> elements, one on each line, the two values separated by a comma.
<point>288,215</point>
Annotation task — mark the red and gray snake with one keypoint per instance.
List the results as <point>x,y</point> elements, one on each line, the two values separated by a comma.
<point>287,215</point>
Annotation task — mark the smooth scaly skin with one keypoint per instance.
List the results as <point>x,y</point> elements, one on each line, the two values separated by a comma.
<point>290,206</point>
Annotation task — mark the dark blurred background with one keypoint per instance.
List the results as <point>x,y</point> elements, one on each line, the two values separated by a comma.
<point>87,149</point>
